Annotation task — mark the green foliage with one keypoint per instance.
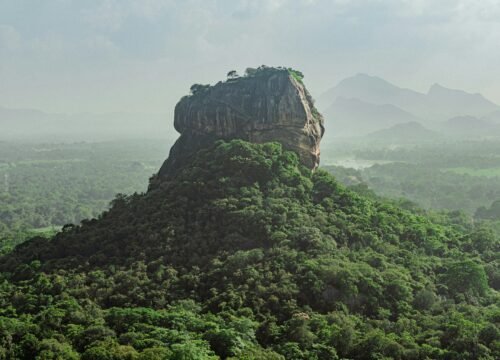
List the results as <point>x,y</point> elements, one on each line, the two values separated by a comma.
<point>197,89</point>
<point>491,213</point>
<point>233,74</point>
<point>297,75</point>
<point>464,176</point>
<point>427,185</point>
<point>43,187</point>
<point>466,277</point>
<point>247,255</point>
<point>51,349</point>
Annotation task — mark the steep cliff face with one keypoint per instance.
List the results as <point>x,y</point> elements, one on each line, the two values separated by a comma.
<point>269,105</point>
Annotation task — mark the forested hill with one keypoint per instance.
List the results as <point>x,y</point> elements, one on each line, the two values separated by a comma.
<point>245,254</point>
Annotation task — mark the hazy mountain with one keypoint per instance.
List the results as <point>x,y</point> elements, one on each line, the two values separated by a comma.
<point>438,104</point>
<point>411,132</point>
<point>29,124</point>
<point>444,102</point>
<point>371,89</point>
<point>470,126</point>
<point>493,117</point>
<point>354,117</point>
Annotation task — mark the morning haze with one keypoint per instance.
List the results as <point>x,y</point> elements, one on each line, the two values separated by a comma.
<point>141,56</point>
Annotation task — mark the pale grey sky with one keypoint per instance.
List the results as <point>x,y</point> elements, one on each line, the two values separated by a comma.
<point>142,55</point>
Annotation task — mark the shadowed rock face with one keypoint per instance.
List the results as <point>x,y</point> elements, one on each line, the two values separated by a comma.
<point>270,105</point>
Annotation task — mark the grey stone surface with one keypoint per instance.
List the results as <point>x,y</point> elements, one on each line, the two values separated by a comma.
<point>269,105</point>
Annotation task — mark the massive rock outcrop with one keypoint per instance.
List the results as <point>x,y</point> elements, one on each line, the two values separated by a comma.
<point>267,104</point>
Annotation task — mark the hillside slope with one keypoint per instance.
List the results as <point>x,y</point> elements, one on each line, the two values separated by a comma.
<point>246,254</point>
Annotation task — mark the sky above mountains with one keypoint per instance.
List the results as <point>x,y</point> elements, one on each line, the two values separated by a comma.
<point>142,55</point>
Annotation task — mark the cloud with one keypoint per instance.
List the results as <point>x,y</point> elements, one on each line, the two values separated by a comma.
<point>10,39</point>
<point>412,42</point>
<point>107,16</point>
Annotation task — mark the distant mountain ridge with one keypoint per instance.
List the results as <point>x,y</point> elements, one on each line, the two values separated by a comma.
<point>363,104</point>
<point>370,89</point>
<point>450,102</point>
<point>353,116</point>
<point>439,104</point>
<point>405,133</point>
<point>470,126</point>
<point>494,117</point>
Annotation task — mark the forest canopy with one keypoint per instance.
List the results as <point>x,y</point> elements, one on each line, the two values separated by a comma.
<point>245,254</point>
